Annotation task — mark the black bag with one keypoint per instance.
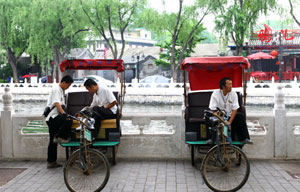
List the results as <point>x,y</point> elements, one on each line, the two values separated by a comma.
<point>47,111</point>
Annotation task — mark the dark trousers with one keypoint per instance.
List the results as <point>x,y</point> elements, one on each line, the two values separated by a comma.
<point>239,130</point>
<point>100,113</point>
<point>58,127</point>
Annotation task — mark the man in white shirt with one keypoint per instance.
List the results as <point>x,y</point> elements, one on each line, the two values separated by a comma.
<point>104,103</point>
<point>59,125</point>
<point>227,100</point>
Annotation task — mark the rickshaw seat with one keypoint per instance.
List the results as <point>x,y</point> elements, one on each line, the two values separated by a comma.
<point>199,101</point>
<point>75,101</point>
<point>109,134</point>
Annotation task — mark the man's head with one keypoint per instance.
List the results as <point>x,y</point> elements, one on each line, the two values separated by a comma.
<point>226,84</point>
<point>91,86</point>
<point>66,82</point>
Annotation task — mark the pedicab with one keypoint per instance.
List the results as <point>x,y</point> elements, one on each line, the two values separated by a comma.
<point>225,167</point>
<point>87,169</point>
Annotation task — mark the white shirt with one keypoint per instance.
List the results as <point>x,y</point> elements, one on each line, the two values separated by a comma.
<point>104,97</point>
<point>56,96</point>
<point>227,103</point>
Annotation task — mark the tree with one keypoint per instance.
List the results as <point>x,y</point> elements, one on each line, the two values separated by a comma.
<point>181,26</point>
<point>292,12</point>
<point>13,39</point>
<point>55,27</point>
<point>111,18</point>
<point>166,45</point>
<point>235,18</point>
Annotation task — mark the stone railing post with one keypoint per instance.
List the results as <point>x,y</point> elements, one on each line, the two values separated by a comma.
<point>280,137</point>
<point>6,128</point>
<point>141,122</point>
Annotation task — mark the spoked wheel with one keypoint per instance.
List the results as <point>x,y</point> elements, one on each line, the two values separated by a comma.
<point>227,173</point>
<point>90,175</point>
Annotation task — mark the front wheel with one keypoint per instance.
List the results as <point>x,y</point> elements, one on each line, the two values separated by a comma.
<point>227,171</point>
<point>90,175</point>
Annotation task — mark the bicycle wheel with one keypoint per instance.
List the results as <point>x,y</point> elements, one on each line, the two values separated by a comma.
<point>93,178</point>
<point>232,175</point>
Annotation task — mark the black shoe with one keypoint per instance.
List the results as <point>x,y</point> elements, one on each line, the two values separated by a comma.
<point>53,165</point>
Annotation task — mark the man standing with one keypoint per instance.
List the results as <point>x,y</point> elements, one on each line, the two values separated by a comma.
<point>59,125</point>
<point>227,100</point>
<point>104,103</point>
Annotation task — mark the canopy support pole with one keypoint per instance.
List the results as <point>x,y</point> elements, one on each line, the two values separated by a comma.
<point>245,86</point>
<point>184,83</point>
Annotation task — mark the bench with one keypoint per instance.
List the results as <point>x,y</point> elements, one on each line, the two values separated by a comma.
<point>195,128</point>
<point>109,134</point>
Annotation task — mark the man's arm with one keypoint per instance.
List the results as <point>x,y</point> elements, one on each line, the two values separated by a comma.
<point>111,104</point>
<point>233,114</point>
<point>59,108</point>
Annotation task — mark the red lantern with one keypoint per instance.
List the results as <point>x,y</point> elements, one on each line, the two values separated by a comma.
<point>274,53</point>
<point>277,62</point>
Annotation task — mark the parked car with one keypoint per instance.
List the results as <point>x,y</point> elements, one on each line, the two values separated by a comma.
<point>78,80</point>
<point>155,79</point>
<point>99,79</point>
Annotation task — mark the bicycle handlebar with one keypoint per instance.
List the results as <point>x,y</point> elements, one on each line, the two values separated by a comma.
<point>78,119</point>
<point>216,115</point>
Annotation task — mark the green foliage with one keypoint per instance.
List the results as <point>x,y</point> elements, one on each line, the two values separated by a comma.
<point>235,19</point>
<point>54,24</point>
<point>209,38</point>
<point>166,45</point>
<point>178,32</point>
<point>106,17</point>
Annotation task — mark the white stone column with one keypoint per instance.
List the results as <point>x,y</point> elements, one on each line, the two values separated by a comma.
<point>6,128</point>
<point>280,137</point>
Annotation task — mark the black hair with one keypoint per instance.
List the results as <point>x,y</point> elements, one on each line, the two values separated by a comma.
<point>67,79</point>
<point>223,81</point>
<point>89,83</point>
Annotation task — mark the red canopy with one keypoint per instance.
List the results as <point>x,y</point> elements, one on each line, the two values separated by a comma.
<point>92,64</point>
<point>260,55</point>
<point>206,72</point>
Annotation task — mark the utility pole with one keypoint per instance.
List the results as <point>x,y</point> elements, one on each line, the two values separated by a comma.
<point>280,58</point>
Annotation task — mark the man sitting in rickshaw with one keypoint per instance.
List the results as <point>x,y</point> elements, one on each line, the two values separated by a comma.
<point>104,104</point>
<point>227,100</point>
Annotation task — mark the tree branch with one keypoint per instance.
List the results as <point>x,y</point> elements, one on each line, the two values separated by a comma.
<point>292,13</point>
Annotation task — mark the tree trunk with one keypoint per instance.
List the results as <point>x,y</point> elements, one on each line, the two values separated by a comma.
<point>13,63</point>
<point>174,71</point>
<point>239,50</point>
<point>58,58</point>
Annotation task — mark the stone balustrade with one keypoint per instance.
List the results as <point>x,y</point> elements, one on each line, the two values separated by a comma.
<point>280,140</point>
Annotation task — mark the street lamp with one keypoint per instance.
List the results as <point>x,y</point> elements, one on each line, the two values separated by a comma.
<point>137,56</point>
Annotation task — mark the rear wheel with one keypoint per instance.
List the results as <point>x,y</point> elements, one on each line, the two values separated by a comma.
<point>228,172</point>
<point>86,174</point>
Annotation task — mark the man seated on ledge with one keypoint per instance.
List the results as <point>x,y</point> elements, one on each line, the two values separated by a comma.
<point>227,100</point>
<point>104,103</point>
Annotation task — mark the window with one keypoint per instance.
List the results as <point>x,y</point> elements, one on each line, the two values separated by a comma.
<point>150,66</point>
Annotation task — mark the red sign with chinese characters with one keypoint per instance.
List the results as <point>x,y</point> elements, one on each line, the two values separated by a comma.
<point>266,35</point>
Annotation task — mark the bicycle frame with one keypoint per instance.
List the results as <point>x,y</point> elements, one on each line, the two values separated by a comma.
<point>84,143</point>
<point>220,136</point>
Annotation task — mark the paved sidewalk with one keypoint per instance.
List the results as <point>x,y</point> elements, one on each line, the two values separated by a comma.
<point>153,176</point>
